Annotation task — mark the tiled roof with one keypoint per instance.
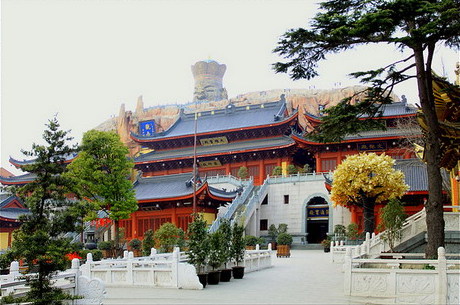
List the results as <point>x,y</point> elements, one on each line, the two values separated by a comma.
<point>229,148</point>
<point>389,110</point>
<point>389,133</point>
<point>170,186</point>
<point>67,158</point>
<point>415,174</point>
<point>398,109</point>
<point>230,118</point>
<point>21,179</point>
<point>10,213</point>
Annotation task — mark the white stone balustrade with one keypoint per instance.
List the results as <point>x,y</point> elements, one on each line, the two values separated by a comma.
<point>72,281</point>
<point>403,281</point>
<point>161,270</point>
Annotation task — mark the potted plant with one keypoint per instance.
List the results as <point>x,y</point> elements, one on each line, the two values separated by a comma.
<point>251,241</point>
<point>198,246</point>
<point>238,251</point>
<point>226,230</point>
<point>326,243</point>
<point>273,234</point>
<point>106,247</point>
<point>216,257</point>
<point>284,242</point>
<point>135,245</point>
<point>148,243</point>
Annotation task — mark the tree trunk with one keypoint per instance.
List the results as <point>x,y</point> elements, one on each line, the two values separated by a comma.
<point>434,205</point>
<point>117,238</point>
<point>369,219</point>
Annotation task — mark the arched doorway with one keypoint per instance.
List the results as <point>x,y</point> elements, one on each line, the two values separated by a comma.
<point>317,219</point>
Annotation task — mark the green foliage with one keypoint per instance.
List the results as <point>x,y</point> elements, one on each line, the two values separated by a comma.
<point>6,259</point>
<point>198,245</point>
<point>226,230</point>
<point>340,229</point>
<point>97,254</point>
<point>168,236</point>
<point>148,243</point>
<point>291,169</point>
<point>272,233</point>
<point>413,25</point>
<point>282,228</point>
<point>238,243</point>
<point>352,231</point>
<point>326,243</point>
<point>101,173</point>
<point>250,240</point>
<point>392,216</point>
<point>243,172</point>
<point>277,171</point>
<point>39,240</point>
<point>135,244</point>
<point>216,250</point>
<point>306,169</point>
<point>284,239</point>
<point>105,245</point>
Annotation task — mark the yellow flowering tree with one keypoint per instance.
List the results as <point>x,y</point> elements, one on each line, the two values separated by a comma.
<point>366,179</point>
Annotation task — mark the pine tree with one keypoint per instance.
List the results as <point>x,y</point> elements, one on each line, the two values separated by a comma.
<point>419,26</point>
<point>39,240</point>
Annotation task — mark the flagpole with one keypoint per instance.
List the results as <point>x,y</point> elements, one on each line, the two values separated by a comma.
<point>194,162</point>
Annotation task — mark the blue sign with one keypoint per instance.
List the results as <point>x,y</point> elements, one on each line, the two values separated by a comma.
<point>147,128</point>
<point>317,212</point>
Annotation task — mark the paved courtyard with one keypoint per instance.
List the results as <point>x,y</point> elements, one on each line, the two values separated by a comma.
<point>307,277</point>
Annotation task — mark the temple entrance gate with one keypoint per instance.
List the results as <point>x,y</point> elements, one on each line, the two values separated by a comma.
<point>317,219</point>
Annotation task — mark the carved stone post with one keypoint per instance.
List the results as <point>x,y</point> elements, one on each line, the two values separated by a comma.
<point>441,297</point>
<point>347,264</point>
<point>175,267</point>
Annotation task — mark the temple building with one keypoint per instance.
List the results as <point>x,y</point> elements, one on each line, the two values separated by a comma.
<point>258,131</point>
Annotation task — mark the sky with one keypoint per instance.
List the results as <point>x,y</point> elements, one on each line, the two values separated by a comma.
<point>81,59</point>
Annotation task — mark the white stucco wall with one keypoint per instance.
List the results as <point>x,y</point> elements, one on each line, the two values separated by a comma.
<point>294,213</point>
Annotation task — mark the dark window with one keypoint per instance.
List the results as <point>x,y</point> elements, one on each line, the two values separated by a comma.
<point>264,224</point>
<point>286,199</point>
<point>265,201</point>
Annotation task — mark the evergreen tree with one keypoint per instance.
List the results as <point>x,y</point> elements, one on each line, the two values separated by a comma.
<point>102,172</point>
<point>39,240</point>
<point>419,26</point>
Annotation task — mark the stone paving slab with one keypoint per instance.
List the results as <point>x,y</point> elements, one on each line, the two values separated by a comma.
<point>307,277</point>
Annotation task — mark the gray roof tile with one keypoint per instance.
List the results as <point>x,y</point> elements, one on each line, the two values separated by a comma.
<point>215,149</point>
<point>232,117</point>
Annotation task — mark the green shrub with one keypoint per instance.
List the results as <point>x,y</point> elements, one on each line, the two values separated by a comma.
<point>105,245</point>
<point>168,237</point>
<point>291,169</point>
<point>352,231</point>
<point>284,239</point>
<point>243,172</point>
<point>237,243</point>
<point>250,240</point>
<point>277,171</point>
<point>148,243</point>
<point>135,244</point>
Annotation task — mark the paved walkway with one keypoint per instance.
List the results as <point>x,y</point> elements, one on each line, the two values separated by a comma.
<point>307,277</point>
